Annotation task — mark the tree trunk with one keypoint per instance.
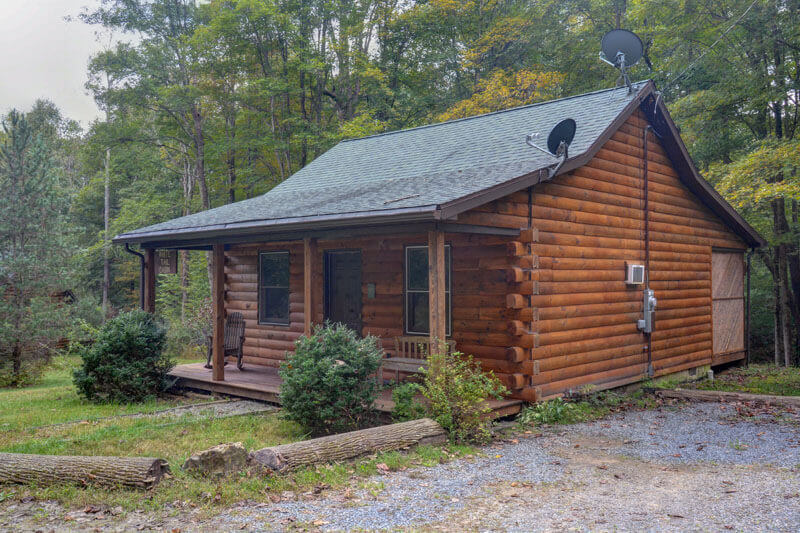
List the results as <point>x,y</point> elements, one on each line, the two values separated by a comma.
<point>349,445</point>
<point>16,362</point>
<point>138,472</point>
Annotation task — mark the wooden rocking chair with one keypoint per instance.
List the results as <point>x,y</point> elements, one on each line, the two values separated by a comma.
<point>234,340</point>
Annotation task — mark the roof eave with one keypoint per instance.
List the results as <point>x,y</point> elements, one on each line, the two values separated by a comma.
<point>267,227</point>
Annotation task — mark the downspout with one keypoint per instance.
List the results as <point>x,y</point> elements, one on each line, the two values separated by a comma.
<point>747,310</point>
<point>141,273</point>
<point>645,186</point>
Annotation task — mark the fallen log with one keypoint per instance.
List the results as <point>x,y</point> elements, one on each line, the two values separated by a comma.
<point>136,472</point>
<point>723,396</point>
<point>348,445</point>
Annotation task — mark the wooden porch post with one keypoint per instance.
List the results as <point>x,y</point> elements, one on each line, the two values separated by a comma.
<point>436,289</point>
<point>218,313</point>
<point>309,253</point>
<point>149,289</point>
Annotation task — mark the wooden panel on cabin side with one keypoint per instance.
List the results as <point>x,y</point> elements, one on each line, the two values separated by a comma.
<point>727,274</point>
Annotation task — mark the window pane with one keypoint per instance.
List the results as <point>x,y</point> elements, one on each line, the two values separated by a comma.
<point>418,312</point>
<point>274,269</point>
<point>448,326</point>
<point>417,266</point>
<point>274,305</point>
<point>447,267</point>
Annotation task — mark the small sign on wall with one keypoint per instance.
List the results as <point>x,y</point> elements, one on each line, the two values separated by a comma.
<point>167,262</point>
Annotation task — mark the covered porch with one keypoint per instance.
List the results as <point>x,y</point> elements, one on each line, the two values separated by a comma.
<point>263,384</point>
<point>429,282</point>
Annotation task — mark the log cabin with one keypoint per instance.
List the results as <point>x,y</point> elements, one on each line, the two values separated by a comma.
<point>536,265</point>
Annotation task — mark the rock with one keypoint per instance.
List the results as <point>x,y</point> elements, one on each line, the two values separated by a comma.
<point>218,461</point>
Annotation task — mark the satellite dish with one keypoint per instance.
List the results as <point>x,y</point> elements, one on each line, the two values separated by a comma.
<point>621,48</point>
<point>563,132</point>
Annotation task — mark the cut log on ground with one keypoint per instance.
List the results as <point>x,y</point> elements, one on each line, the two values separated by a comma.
<point>721,396</point>
<point>136,472</point>
<point>348,445</point>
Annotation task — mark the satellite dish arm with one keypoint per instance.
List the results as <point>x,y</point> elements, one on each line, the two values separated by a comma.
<point>529,141</point>
<point>563,151</point>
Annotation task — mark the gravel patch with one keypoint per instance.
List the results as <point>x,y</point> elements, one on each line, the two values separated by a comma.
<point>409,498</point>
<point>214,409</point>
<point>704,432</point>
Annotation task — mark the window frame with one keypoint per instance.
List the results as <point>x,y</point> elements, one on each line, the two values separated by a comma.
<point>260,287</point>
<point>406,291</point>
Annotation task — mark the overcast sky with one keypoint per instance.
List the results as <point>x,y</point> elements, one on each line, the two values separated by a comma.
<point>44,56</point>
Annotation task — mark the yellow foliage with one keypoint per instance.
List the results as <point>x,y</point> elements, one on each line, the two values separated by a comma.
<point>770,171</point>
<point>503,33</point>
<point>506,89</point>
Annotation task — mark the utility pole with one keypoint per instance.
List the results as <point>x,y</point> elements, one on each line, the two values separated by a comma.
<point>106,260</point>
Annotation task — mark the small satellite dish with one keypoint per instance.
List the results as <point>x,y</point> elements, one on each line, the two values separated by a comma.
<point>563,132</point>
<point>621,48</point>
<point>557,143</point>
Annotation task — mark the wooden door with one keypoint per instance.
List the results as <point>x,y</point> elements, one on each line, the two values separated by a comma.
<point>343,287</point>
<point>727,293</point>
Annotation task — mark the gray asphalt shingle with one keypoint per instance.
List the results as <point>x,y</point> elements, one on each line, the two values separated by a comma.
<point>421,167</point>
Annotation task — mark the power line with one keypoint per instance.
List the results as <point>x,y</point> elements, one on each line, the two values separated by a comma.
<point>693,63</point>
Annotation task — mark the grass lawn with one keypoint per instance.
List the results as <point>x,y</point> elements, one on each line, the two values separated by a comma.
<point>26,426</point>
<point>756,379</point>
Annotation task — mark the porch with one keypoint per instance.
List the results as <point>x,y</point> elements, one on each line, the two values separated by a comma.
<point>263,383</point>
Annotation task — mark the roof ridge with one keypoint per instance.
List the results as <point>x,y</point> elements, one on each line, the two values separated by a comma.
<point>637,85</point>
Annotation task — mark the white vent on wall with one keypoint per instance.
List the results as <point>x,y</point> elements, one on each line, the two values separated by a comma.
<point>635,275</point>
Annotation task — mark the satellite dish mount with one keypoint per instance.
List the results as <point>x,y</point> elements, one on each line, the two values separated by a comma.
<point>621,49</point>
<point>558,142</point>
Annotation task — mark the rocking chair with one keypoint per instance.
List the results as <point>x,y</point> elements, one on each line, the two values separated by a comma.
<point>234,340</point>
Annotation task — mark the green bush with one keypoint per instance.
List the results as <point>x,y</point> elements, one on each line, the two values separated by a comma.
<point>406,405</point>
<point>555,411</point>
<point>126,363</point>
<point>328,382</point>
<point>456,389</point>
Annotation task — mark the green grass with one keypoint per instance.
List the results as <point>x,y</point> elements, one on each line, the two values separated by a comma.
<point>27,427</point>
<point>591,407</point>
<point>756,379</point>
<point>54,400</point>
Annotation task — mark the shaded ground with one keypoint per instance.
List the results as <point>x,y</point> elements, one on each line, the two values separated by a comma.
<point>706,467</point>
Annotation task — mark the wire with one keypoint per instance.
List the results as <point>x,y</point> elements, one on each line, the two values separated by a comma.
<point>693,63</point>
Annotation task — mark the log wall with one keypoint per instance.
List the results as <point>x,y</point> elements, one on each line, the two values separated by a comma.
<point>479,288</point>
<point>575,317</point>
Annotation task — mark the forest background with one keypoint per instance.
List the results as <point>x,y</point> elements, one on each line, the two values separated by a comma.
<point>207,103</point>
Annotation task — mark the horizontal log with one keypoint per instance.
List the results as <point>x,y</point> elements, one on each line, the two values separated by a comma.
<point>136,472</point>
<point>721,396</point>
<point>349,445</point>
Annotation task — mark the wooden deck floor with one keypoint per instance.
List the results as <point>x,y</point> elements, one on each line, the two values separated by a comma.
<point>263,383</point>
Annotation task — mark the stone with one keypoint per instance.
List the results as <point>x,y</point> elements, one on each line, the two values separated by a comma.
<point>219,461</point>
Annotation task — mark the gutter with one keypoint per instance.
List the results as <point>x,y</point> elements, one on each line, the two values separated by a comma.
<point>265,227</point>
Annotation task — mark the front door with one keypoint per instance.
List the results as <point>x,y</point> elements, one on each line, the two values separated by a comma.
<point>343,288</point>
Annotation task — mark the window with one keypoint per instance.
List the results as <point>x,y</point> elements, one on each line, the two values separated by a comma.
<point>273,288</point>
<point>416,289</point>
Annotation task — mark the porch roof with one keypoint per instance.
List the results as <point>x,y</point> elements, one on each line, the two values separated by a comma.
<point>421,174</point>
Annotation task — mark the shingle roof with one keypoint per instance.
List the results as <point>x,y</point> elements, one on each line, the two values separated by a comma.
<point>414,170</point>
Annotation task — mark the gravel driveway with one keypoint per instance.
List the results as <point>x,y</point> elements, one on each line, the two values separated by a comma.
<point>693,467</point>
